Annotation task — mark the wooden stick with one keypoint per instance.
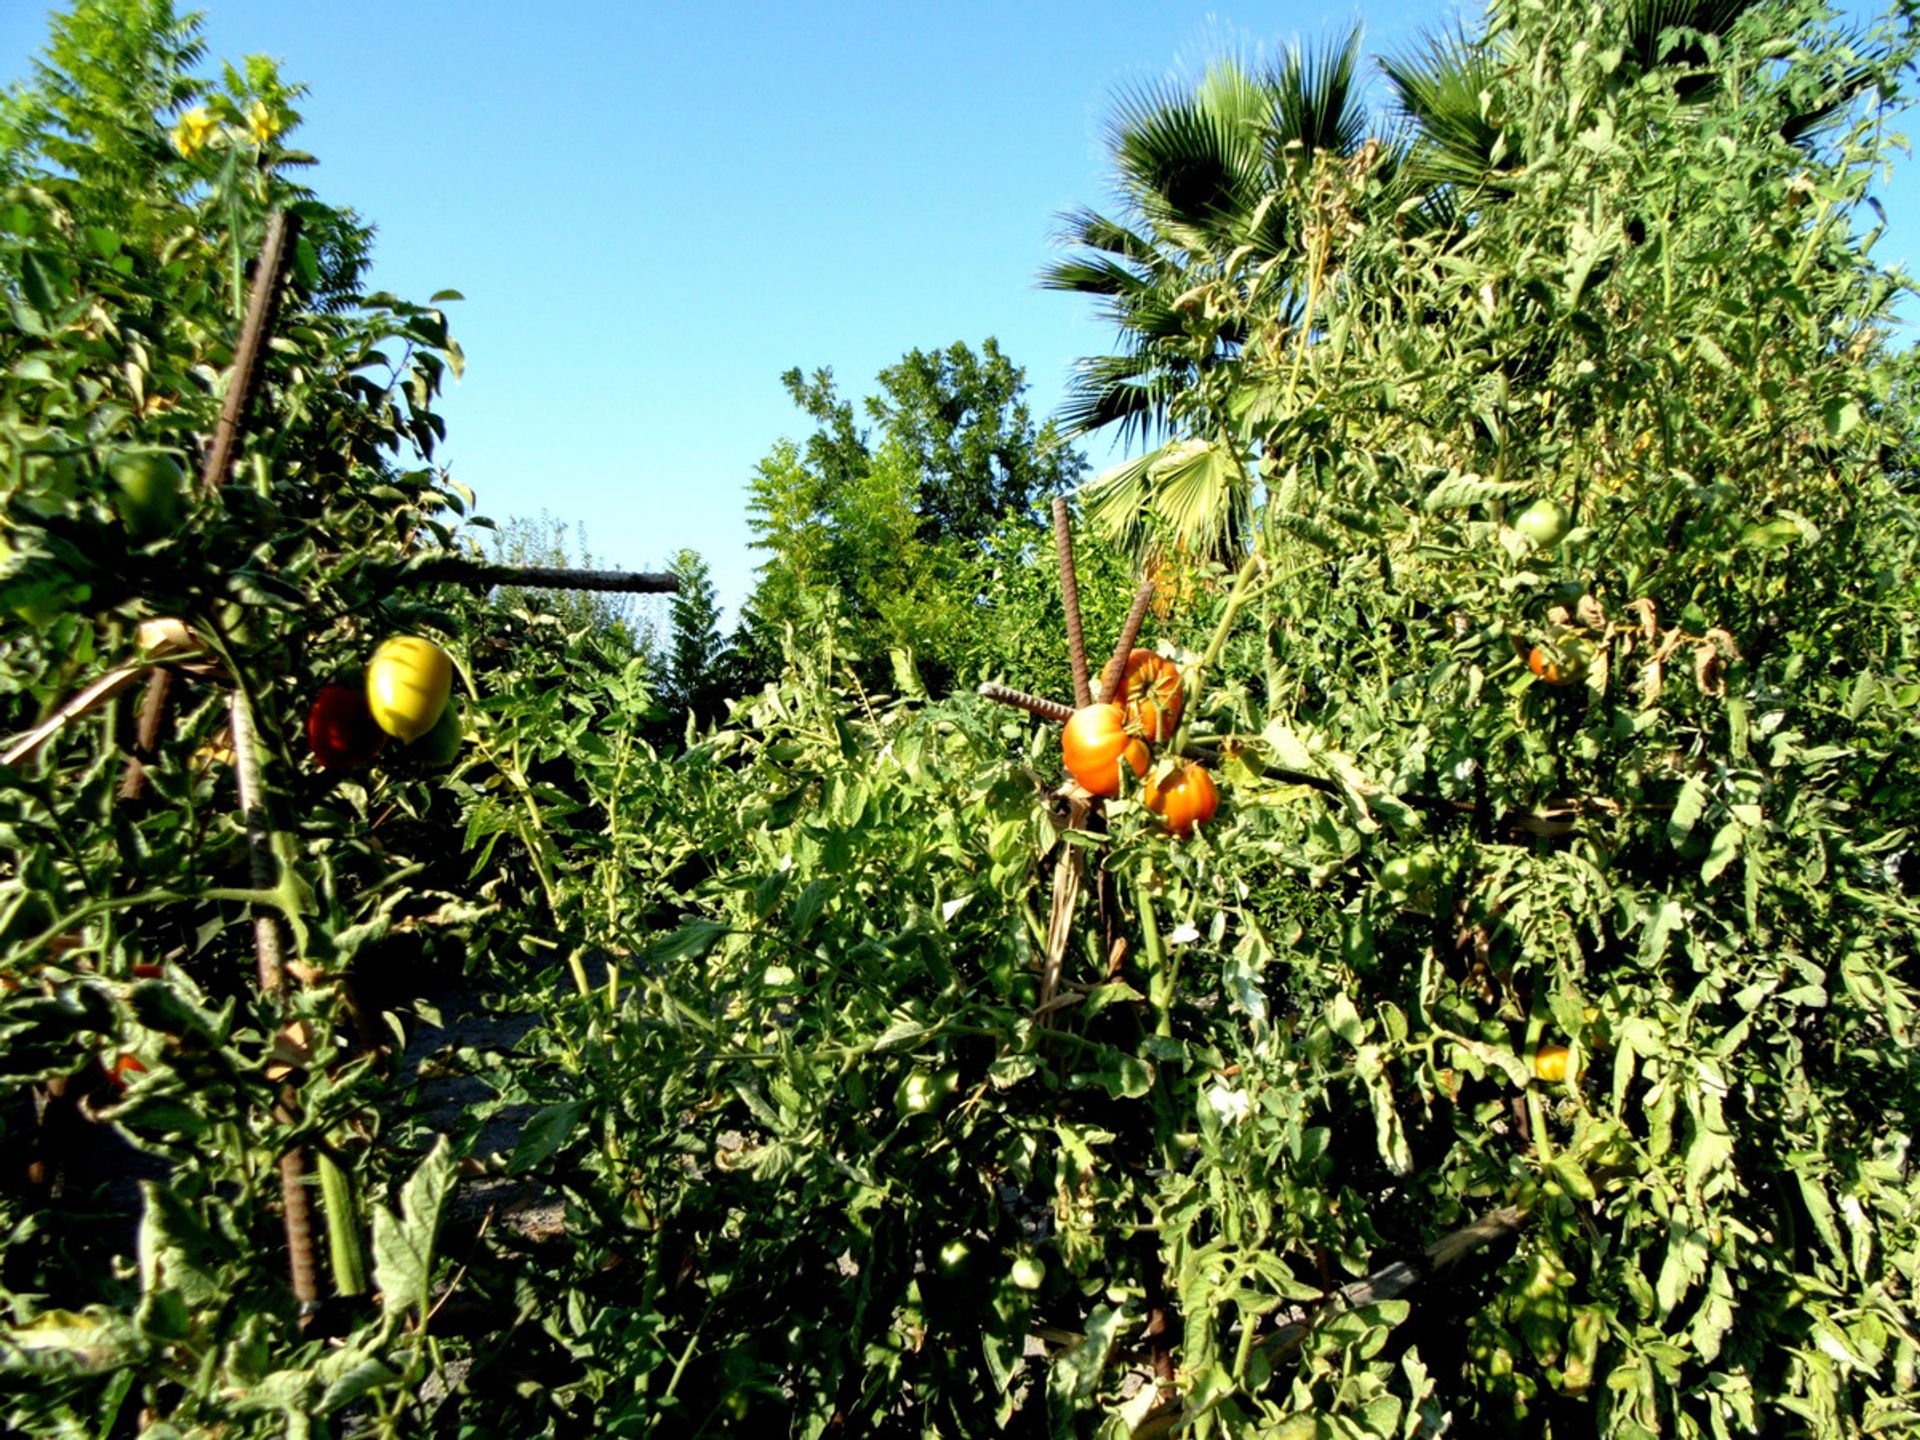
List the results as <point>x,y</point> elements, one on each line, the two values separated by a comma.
<point>1401,1276</point>
<point>1037,704</point>
<point>269,272</point>
<point>1129,632</point>
<point>1070,596</point>
<point>146,735</point>
<point>89,699</point>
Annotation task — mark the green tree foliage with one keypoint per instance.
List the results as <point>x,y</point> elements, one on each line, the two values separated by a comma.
<point>696,661</point>
<point>885,530</point>
<point>964,427</point>
<point>620,618</point>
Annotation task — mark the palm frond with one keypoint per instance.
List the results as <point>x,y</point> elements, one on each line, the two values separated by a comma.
<point>1090,275</point>
<point>1100,232</point>
<point>1316,105</point>
<point>1115,501</point>
<point>1132,391</point>
<point>1199,490</point>
<point>1439,88</point>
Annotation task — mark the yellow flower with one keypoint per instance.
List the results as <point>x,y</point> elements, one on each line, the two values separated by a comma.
<point>192,131</point>
<point>261,124</point>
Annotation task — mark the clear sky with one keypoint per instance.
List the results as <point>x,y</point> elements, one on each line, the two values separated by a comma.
<point>653,209</point>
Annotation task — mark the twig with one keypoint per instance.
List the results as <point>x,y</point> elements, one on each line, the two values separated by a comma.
<point>271,962</point>
<point>1046,709</point>
<point>146,736</point>
<point>1129,632</point>
<point>1401,1276</point>
<point>1070,596</point>
<point>1066,890</point>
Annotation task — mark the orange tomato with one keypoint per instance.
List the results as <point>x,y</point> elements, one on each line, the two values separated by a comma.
<point>1150,691</point>
<point>123,1066</point>
<point>1185,799</point>
<point>1093,744</point>
<point>1560,664</point>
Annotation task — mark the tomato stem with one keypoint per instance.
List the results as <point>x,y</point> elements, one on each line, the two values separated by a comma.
<point>1159,975</point>
<point>1197,671</point>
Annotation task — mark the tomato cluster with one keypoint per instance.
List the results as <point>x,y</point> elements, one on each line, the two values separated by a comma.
<point>1098,739</point>
<point>405,696</point>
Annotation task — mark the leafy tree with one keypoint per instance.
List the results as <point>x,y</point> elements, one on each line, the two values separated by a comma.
<point>965,429</point>
<point>885,531</point>
<point>696,658</point>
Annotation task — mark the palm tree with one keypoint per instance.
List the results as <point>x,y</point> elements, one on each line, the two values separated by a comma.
<point>1203,179</point>
<point>1212,182</point>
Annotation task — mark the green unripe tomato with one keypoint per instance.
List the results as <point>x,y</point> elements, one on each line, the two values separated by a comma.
<point>1544,522</point>
<point>150,493</point>
<point>1028,1273</point>
<point>440,746</point>
<point>1412,875</point>
<point>924,1091</point>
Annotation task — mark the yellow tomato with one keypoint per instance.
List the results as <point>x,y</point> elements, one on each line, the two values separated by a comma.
<point>1550,1063</point>
<point>408,682</point>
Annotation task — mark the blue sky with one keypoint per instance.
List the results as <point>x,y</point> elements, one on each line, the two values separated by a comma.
<point>654,209</point>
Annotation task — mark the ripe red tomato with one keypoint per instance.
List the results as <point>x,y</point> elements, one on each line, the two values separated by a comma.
<point>1150,691</point>
<point>340,728</point>
<point>1093,744</point>
<point>1185,799</point>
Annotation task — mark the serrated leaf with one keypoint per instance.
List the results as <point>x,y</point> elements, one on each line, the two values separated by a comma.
<point>1458,489</point>
<point>1688,806</point>
<point>403,1242</point>
<point>544,1133</point>
<point>1723,851</point>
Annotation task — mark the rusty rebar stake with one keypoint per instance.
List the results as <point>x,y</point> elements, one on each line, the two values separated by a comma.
<point>1070,596</point>
<point>263,305</point>
<point>1034,704</point>
<point>1129,632</point>
<point>271,969</point>
<point>249,354</point>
